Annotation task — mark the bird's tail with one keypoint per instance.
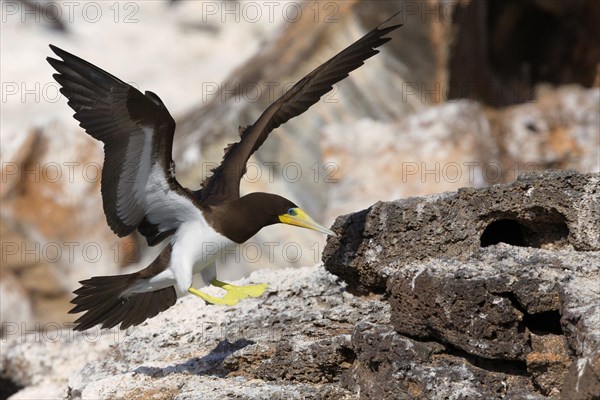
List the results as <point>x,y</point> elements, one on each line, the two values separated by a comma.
<point>102,299</point>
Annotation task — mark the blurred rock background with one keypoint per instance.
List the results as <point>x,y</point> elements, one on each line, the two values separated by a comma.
<point>468,93</point>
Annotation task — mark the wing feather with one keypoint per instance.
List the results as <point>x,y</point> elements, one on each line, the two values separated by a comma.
<point>224,182</point>
<point>137,131</point>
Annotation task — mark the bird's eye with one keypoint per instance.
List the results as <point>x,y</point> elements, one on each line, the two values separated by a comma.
<point>292,212</point>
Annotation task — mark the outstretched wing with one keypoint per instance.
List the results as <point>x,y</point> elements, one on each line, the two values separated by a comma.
<point>139,189</point>
<point>224,183</point>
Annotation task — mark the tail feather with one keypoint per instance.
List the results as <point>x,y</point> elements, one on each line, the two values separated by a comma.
<point>100,298</point>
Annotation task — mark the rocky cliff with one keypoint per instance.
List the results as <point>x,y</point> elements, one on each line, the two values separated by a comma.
<point>397,127</point>
<point>478,294</point>
<point>505,278</point>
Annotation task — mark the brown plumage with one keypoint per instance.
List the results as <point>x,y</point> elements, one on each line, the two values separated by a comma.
<point>100,298</point>
<point>140,191</point>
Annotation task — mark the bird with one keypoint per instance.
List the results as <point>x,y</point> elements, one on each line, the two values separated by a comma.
<point>140,191</point>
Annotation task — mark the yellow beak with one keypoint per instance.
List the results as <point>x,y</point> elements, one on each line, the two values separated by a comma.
<point>297,217</point>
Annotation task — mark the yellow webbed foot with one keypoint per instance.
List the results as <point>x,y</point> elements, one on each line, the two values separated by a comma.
<point>241,292</point>
<point>225,301</point>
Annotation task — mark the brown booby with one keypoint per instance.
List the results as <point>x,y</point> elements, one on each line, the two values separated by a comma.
<point>140,190</point>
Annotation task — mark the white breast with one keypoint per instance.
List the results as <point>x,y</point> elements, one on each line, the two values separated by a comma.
<point>196,247</point>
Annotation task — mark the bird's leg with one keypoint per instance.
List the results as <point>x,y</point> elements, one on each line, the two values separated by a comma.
<point>240,292</point>
<point>225,301</point>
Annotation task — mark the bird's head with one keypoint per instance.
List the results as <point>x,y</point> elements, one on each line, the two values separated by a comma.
<point>278,209</point>
<point>252,212</point>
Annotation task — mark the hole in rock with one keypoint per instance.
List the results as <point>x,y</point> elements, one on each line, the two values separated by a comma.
<point>503,231</point>
<point>544,322</point>
<point>534,227</point>
<point>347,354</point>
